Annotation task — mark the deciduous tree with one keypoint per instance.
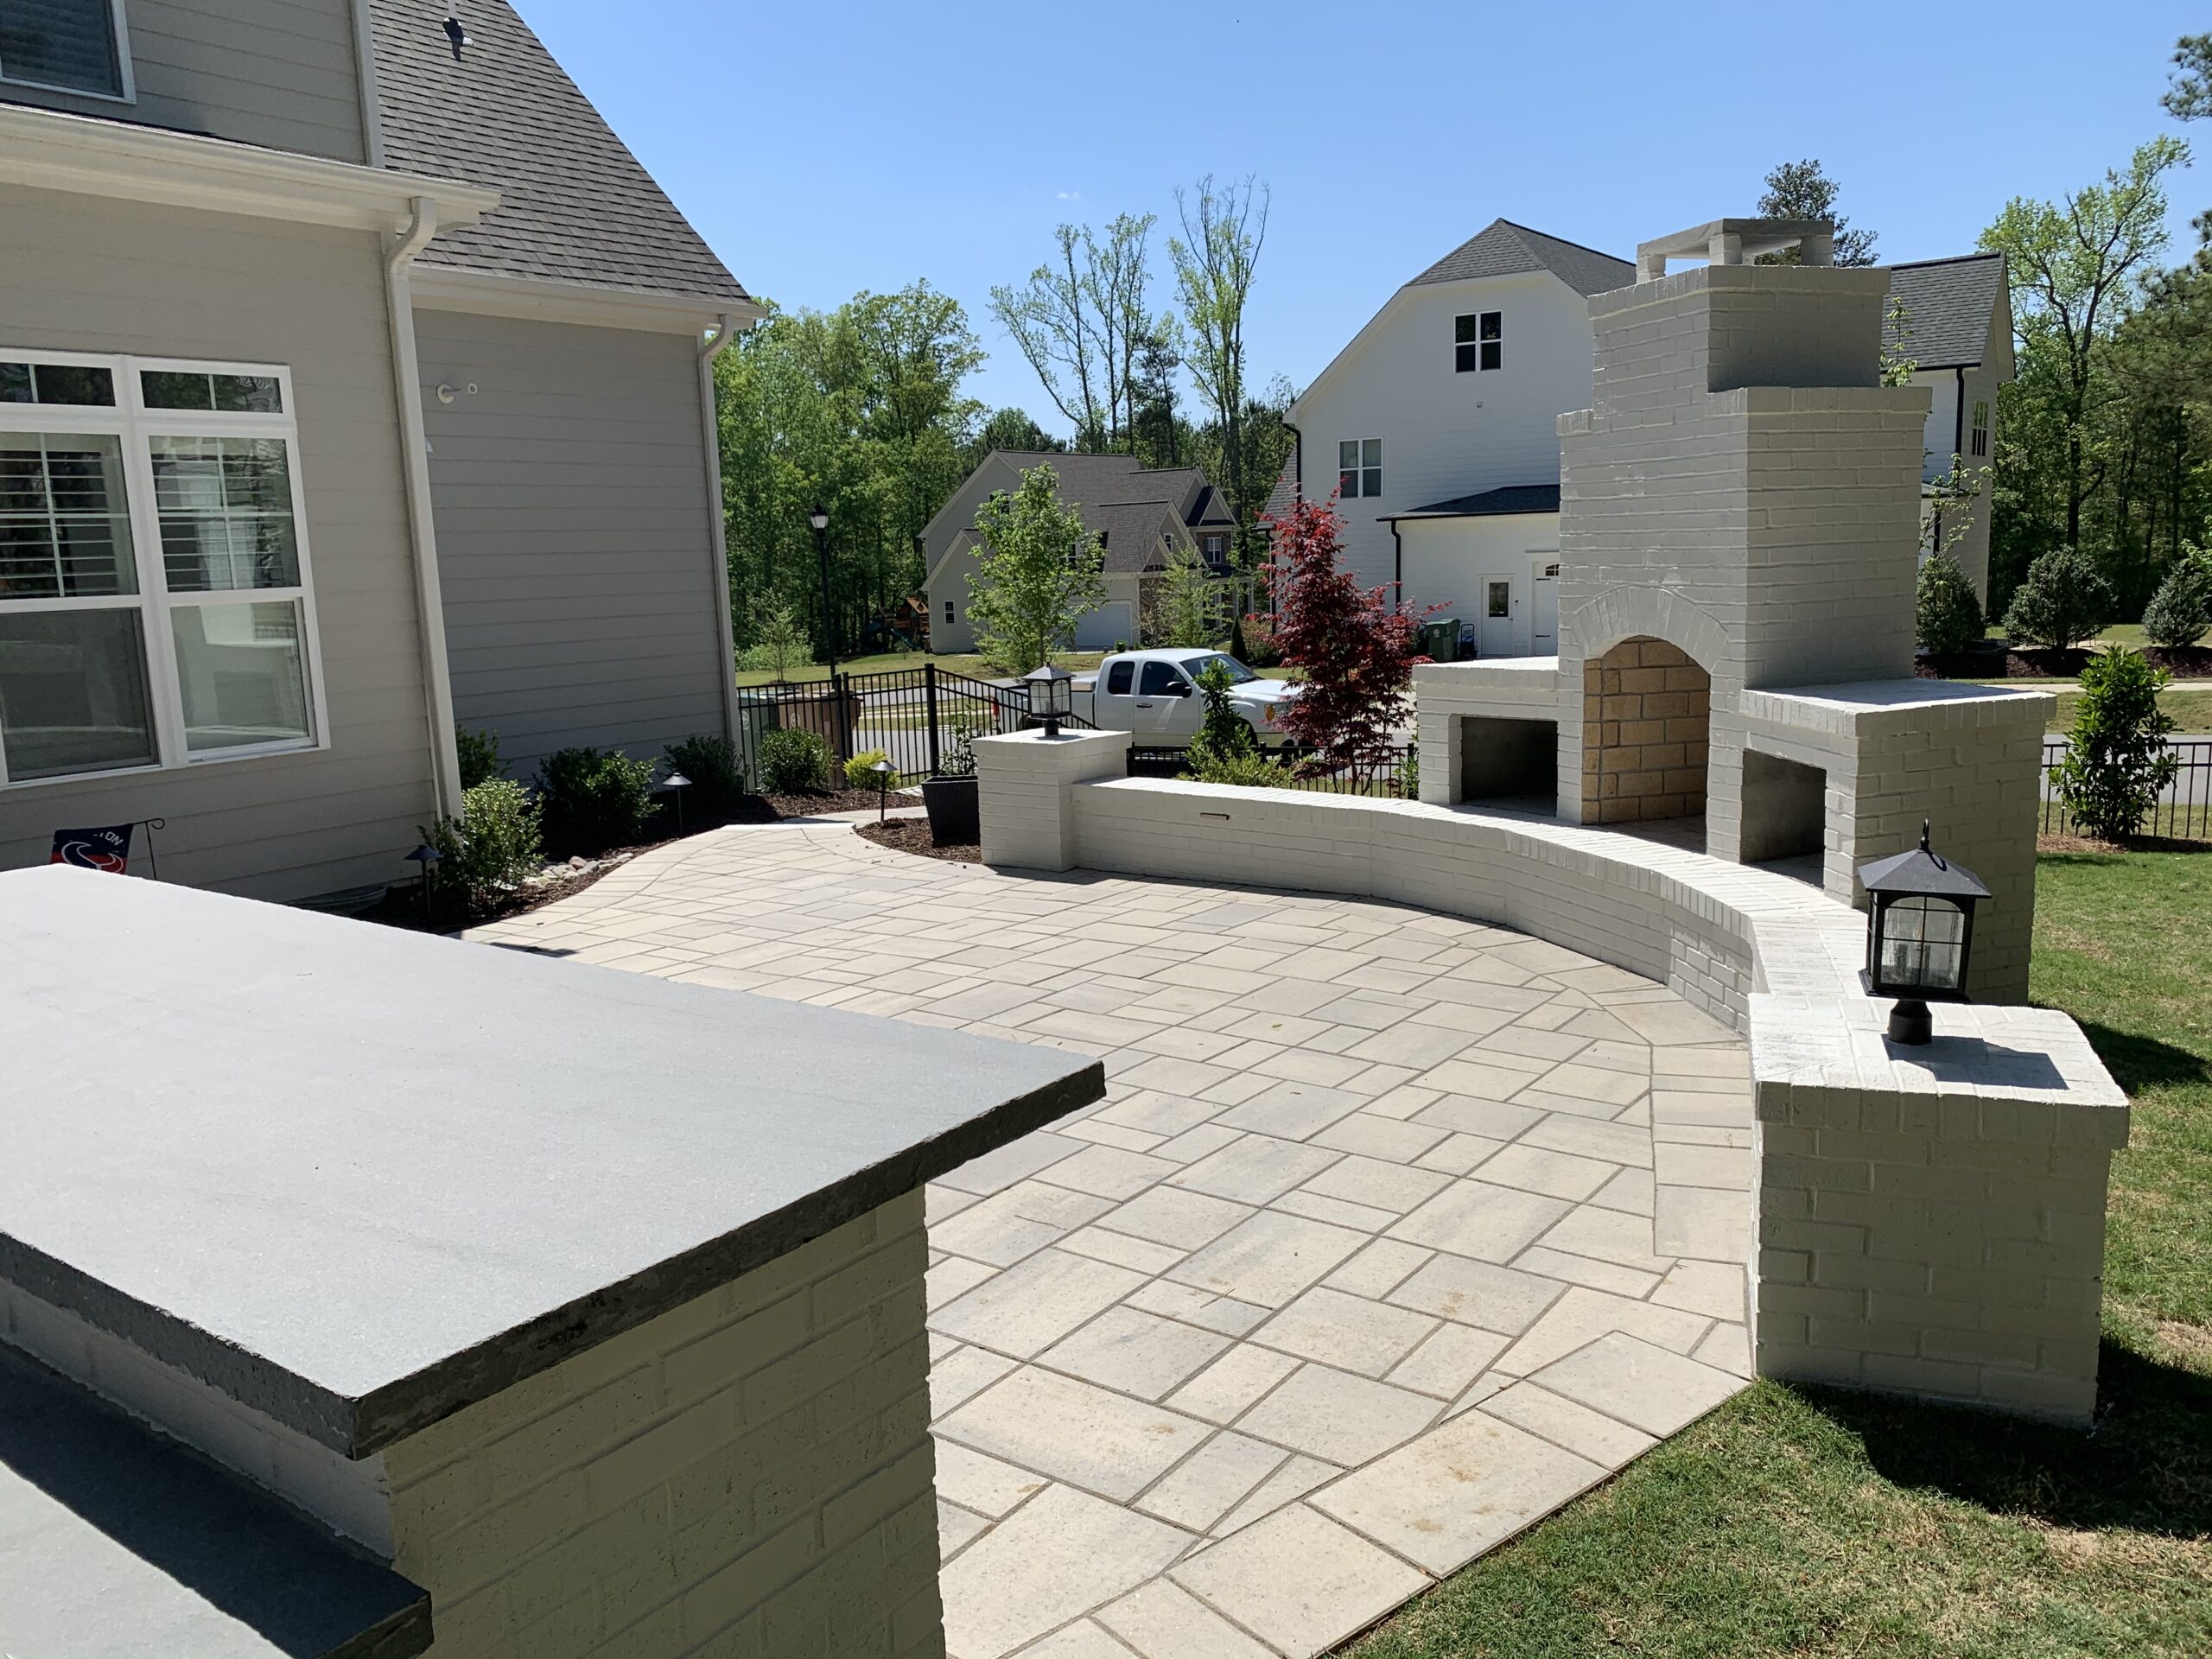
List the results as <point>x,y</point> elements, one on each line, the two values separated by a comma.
<point>1224,226</point>
<point>1040,572</point>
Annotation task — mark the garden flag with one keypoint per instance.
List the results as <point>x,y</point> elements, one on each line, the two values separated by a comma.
<point>106,849</point>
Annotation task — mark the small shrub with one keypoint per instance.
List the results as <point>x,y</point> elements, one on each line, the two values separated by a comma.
<point>792,761</point>
<point>956,759</point>
<point>480,756</point>
<point>594,800</point>
<point>716,771</point>
<point>2181,610</point>
<point>1252,641</point>
<point>2062,602</point>
<point>1252,771</point>
<point>1948,614</point>
<point>860,772</point>
<point>1409,776</point>
<point>490,850</point>
<point>2116,758</point>
<point>1223,736</point>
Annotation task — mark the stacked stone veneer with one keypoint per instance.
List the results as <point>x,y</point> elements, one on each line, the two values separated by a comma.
<point>1646,716</point>
<point>750,1473</point>
<point>1928,1221</point>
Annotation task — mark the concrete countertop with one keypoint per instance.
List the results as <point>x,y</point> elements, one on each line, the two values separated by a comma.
<point>357,1178</point>
<point>118,1543</point>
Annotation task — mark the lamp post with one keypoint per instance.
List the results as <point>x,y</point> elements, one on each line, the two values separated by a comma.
<point>1919,934</point>
<point>422,857</point>
<point>882,771</point>
<point>1052,696</point>
<point>677,782</point>
<point>819,519</point>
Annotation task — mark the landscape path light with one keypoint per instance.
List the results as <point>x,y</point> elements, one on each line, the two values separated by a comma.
<point>424,856</point>
<point>677,782</point>
<point>1919,933</point>
<point>882,771</point>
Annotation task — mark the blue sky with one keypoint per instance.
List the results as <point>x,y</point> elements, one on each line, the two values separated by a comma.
<point>823,150</point>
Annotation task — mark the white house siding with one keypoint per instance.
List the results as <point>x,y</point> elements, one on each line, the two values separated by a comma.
<point>280,73</point>
<point>574,548</point>
<point>1446,562</point>
<point>93,275</point>
<point>1445,433</point>
<point>1950,432</point>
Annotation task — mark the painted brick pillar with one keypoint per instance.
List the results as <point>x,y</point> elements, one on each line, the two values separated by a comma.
<point>1023,784</point>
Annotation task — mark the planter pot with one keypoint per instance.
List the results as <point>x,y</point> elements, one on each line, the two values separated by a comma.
<point>954,819</point>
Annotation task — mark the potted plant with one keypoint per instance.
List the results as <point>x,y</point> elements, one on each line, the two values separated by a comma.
<point>955,820</point>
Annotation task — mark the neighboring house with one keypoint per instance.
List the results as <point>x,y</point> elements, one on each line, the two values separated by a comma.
<point>1438,425</point>
<point>347,389</point>
<point>1952,320</point>
<point>1140,514</point>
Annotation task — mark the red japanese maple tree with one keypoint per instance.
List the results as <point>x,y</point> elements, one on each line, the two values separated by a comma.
<point>1357,645</point>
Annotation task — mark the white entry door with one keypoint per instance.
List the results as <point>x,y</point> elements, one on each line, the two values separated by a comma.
<point>1543,626</point>
<point>1498,604</point>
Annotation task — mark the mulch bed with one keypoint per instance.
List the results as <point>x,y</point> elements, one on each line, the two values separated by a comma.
<point>2047,843</point>
<point>2050,662</point>
<point>913,836</point>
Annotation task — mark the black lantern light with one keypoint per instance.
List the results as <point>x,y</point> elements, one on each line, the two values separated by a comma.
<point>1052,696</point>
<point>818,519</point>
<point>1919,933</point>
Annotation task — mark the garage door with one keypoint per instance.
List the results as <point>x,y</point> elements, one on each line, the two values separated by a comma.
<point>1108,626</point>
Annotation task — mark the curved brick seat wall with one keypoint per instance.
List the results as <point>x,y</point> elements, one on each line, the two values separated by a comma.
<point>1929,1220</point>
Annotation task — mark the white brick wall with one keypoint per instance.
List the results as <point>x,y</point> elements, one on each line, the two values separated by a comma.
<point>749,1474</point>
<point>1022,781</point>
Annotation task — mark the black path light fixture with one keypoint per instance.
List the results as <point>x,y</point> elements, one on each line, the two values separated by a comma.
<point>1052,696</point>
<point>819,518</point>
<point>1919,933</point>
<point>677,783</point>
<point>422,857</point>
<point>881,768</point>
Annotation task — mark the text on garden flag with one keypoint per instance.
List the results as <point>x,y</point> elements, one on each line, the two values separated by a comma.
<point>106,849</point>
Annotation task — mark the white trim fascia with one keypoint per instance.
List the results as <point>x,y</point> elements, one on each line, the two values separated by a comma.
<point>364,64</point>
<point>483,293</point>
<point>51,149</point>
<point>726,330</point>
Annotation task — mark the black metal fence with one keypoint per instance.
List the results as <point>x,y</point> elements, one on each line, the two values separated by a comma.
<point>920,718</point>
<point>1393,775</point>
<point>2183,809</point>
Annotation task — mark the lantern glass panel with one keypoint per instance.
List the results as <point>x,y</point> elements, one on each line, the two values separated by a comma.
<point>1922,941</point>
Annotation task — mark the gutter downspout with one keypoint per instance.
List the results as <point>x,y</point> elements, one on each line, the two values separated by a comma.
<point>414,465</point>
<point>717,524</point>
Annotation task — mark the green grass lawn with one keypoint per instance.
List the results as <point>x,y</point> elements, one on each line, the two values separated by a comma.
<point>1814,1522</point>
<point>2190,701</point>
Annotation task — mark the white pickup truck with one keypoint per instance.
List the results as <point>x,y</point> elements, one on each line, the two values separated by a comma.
<point>1154,694</point>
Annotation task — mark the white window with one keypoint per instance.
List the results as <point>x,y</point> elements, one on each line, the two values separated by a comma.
<point>1215,548</point>
<point>949,613</point>
<point>1980,440</point>
<point>155,608</point>
<point>1359,468</point>
<point>67,46</point>
<point>1477,341</point>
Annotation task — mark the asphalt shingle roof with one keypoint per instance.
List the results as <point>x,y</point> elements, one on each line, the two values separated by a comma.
<point>1948,305</point>
<point>1513,497</point>
<point>574,206</point>
<point>1505,249</point>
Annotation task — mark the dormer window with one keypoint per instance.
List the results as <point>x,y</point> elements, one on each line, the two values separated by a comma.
<point>1215,547</point>
<point>1477,341</point>
<point>71,46</point>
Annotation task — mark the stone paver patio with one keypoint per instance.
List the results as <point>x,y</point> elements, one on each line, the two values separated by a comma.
<point>1393,1232</point>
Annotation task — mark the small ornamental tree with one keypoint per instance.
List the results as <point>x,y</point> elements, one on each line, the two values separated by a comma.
<point>1946,613</point>
<point>2181,610</point>
<point>2116,761</point>
<point>2062,602</point>
<point>1357,645</point>
<point>1186,601</point>
<point>1040,572</point>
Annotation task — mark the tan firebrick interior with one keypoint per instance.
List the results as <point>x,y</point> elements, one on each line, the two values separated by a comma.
<point>1646,711</point>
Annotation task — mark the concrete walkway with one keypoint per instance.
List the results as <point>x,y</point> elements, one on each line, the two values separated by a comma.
<point>1394,1233</point>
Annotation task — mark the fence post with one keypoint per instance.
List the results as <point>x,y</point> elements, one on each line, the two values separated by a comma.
<point>929,688</point>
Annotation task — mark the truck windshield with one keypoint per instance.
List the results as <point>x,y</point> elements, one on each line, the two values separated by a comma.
<point>1238,674</point>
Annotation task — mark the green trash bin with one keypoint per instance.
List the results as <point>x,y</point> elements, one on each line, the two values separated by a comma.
<point>1439,638</point>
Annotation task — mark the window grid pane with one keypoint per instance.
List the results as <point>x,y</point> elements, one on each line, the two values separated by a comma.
<point>1463,328</point>
<point>1921,943</point>
<point>73,693</point>
<point>60,43</point>
<point>230,394</point>
<point>65,528</point>
<point>1348,484</point>
<point>225,509</point>
<point>242,673</point>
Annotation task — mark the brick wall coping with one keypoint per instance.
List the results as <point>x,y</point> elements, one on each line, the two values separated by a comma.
<point>356,1178</point>
<point>1530,679</point>
<point>1881,707</point>
<point>1774,956</point>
